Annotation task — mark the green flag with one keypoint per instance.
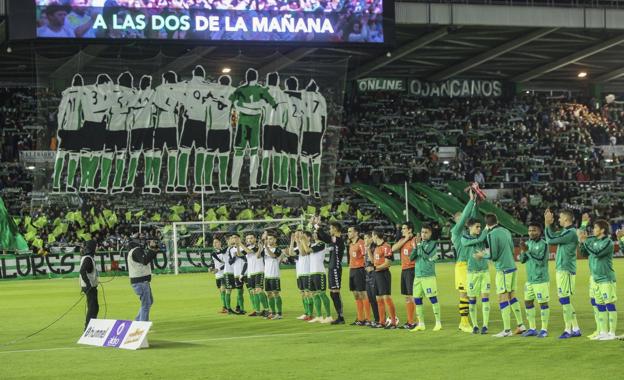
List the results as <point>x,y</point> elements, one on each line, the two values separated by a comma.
<point>10,238</point>
<point>311,210</point>
<point>246,214</point>
<point>128,216</point>
<point>196,207</point>
<point>155,218</point>
<point>40,222</point>
<point>222,211</point>
<point>343,208</point>
<point>325,210</point>
<point>177,209</point>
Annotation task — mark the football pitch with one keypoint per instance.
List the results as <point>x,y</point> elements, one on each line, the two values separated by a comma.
<point>191,340</point>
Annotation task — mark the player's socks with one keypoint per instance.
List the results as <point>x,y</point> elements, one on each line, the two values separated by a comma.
<point>436,310</point>
<point>612,318</point>
<point>222,297</point>
<point>254,166</point>
<point>603,319</point>
<point>147,173</point>
<point>237,165</point>
<point>367,309</point>
<point>381,306</point>
<point>530,313</point>
<point>305,173</point>
<point>294,181</point>
<point>84,167</point>
<point>411,309</point>
<point>266,160</point>
<point>240,300</point>
<point>595,308</point>
<point>208,168</point>
<point>337,303</point>
<point>172,157</point>
<point>132,168</point>
<point>183,161</point>
<point>278,304</point>
<point>326,304</point>
<point>58,169</point>
<point>94,162</point>
<point>228,300</point>
<point>506,314</point>
<point>420,311</point>
<point>359,306</point>
<point>224,160</point>
<point>272,305</point>
<point>72,166</point>
<point>264,300</point>
<point>120,167</point>
<point>544,316</point>
<point>316,174</point>
<point>284,171</point>
<point>198,167</point>
<point>472,310</point>
<point>277,169</point>
<point>391,309</point>
<point>463,311</point>
<point>485,306</point>
<point>107,165</point>
<point>565,305</point>
<point>317,305</point>
<point>573,320</point>
<point>515,307</point>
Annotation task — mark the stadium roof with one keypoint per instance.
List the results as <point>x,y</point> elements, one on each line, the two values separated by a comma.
<point>547,54</point>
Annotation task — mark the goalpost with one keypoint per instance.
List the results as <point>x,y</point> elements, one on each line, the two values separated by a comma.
<point>199,235</point>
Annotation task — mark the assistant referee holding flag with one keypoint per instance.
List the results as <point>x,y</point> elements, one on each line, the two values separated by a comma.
<point>140,273</point>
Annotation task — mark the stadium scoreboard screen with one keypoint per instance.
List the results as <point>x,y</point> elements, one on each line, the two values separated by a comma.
<point>307,21</point>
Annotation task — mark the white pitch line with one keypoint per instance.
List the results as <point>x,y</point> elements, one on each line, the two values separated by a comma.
<point>189,341</point>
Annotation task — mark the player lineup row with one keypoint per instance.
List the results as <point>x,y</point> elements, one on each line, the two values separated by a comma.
<point>106,125</point>
<point>256,265</point>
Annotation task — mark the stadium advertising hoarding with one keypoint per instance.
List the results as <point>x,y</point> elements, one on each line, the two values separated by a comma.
<point>451,88</point>
<point>129,335</point>
<point>325,21</point>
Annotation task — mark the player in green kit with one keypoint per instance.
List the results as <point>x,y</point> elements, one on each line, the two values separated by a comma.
<point>501,247</point>
<point>479,282</point>
<point>535,257</point>
<point>461,281</point>
<point>248,101</point>
<point>599,248</point>
<point>566,242</point>
<point>425,284</point>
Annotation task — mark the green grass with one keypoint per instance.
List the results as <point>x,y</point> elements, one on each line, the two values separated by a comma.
<point>192,341</point>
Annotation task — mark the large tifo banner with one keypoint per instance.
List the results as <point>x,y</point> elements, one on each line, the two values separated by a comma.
<point>111,129</point>
<point>330,21</point>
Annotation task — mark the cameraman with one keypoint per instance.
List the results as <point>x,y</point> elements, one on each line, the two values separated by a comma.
<point>140,273</point>
<point>89,279</point>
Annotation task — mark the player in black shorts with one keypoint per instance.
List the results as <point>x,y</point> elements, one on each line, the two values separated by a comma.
<point>371,289</point>
<point>337,248</point>
<point>383,280</point>
<point>404,247</point>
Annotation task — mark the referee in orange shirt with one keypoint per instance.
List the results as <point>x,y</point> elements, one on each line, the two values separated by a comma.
<point>405,246</point>
<point>357,276</point>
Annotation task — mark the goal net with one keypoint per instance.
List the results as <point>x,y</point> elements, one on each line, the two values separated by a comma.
<point>190,244</point>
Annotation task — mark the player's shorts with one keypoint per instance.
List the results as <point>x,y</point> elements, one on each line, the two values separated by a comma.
<point>255,281</point>
<point>272,138</point>
<point>605,292</point>
<point>335,278</point>
<point>478,283</point>
<point>566,283</point>
<point>539,292</point>
<point>219,282</point>
<point>461,275</point>
<point>247,131</point>
<point>228,281</point>
<point>311,143</point>
<point>383,283</point>
<point>218,141</point>
<point>272,285</point>
<point>303,282</point>
<point>166,138</point>
<point>425,287</point>
<point>116,140</point>
<point>357,280</point>
<point>318,282</point>
<point>506,281</point>
<point>407,282</point>
<point>142,138</point>
<point>238,284</point>
<point>93,135</point>
<point>290,143</point>
<point>193,134</point>
<point>70,141</point>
